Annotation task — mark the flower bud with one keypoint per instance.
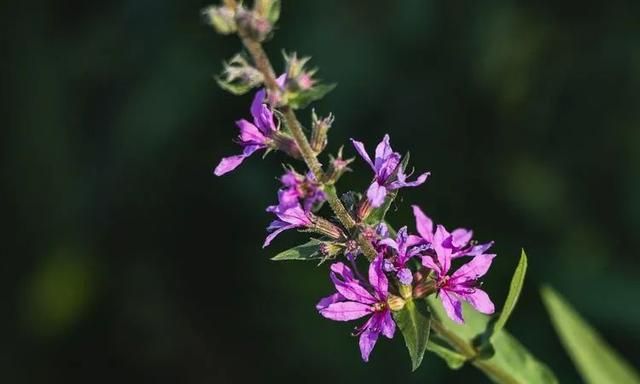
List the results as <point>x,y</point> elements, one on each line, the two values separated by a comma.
<point>298,79</point>
<point>405,291</point>
<point>285,143</point>
<point>327,228</point>
<point>319,129</point>
<point>222,18</point>
<point>253,25</point>
<point>395,303</point>
<point>238,76</point>
<point>424,288</point>
<point>330,249</point>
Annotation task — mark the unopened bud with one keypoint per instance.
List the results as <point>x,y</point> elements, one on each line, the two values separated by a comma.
<point>328,229</point>
<point>405,291</point>
<point>424,288</point>
<point>222,18</point>
<point>395,303</point>
<point>337,167</point>
<point>253,25</point>
<point>329,249</point>
<point>285,143</point>
<point>319,129</point>
<point>238,76</point>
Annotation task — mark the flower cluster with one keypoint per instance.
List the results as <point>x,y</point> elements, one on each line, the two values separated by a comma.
<point>402,265</point>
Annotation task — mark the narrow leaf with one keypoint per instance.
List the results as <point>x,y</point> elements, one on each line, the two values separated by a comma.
<point>514,292</point>
<point>453,359</point>
<point>596,361</point>
<point>511,362</point>
<point>306,251</point>
<point>302,99</point>
<point>414,322</point>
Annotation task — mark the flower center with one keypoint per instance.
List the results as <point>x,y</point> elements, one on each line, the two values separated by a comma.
<point>379,307</point>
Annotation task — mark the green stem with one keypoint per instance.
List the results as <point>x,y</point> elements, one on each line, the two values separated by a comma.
<point>263,64</point>
<point>465,349</point>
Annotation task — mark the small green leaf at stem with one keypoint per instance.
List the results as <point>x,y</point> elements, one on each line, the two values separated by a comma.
<point>414,322</point>
<point>596,361</point>
<point>302,99</point>
<point>377,215</point>
<point>306,251</point>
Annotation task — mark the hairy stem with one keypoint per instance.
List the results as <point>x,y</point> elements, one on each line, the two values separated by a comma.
<point>464,348</point>
<point>263,64</point>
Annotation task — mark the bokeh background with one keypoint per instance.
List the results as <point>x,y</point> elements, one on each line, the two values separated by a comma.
<point>126,260</point>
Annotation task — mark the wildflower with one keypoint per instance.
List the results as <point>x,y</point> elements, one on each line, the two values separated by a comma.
<point>389,172</point>
<point>289,216</point>
<point>458,241</point>
<point>405,247</point>
<point>301,189</point>
<point>253,136</point>
<point>354,301</point>
<point>463,284</point>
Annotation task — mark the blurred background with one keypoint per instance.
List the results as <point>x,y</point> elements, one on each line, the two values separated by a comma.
<point>126,260</point>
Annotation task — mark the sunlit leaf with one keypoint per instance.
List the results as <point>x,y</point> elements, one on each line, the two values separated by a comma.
<point>306,251</point>
<point>414,323</point>
<point>596,361</point>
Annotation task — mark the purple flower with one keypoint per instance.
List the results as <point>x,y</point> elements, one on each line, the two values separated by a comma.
<point>289,217</point>
<point>458,242</point>
<point>463,284</point>
<point>353,301</point>
<point>389,172</point>
<point>301,189</point>
<point>253,136</point>
<point>405,247</point>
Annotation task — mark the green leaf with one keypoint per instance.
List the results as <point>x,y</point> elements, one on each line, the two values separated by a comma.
<point>514,292</point>
<point>302,99</point>
<point>495,325</point>
<point>306,251</point>
<point>274,12</point>
<point>511,363</point>
<point>414,322</point>
<point>453,359</point>
<point>596,361</point>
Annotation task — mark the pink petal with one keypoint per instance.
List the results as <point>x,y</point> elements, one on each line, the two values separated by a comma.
<point>376,194</point>
<point>363,152</point>
<point>475,268</point>
<point>480,301</point>
<point>345,311</point>
<point>428,262</point>
<point>444,254</point>
<point>249,133</point>
<point>452,306</point>
<point>279,227</point>
<point>388,326</point>
<point>326,301</point>
<point>228,164</point>
<point>424,224</point>
<point>383,151</point>
<point>378,279</point>
<point>347,286</point>
<point>460,237</point>
<point>368,340</point>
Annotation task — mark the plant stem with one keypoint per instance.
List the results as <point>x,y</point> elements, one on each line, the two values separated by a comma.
<point>464,348</point>
<point>263,64</point>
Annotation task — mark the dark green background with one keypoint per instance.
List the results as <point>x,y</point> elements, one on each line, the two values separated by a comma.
<point>126,260</point>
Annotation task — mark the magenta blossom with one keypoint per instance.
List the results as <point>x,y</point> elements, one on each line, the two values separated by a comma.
<point>299,189</point>
<point>289,216</point>
<point>458,241</point>
<point>463,284</point>
<point>405,247</point>
<point>389,172</point>
<point>353,301</point>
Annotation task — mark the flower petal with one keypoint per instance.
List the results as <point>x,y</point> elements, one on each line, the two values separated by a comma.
<point>378,279</point>
<point>443,253</point>
<point>277,227</point>
<point>363,152</point>
<point>460,237</point>
<point>424,224</point>
<point>429,262</point>
<point>326,301</point>
<point>475,268</point>
<point>228,164</point>
<point>387,325</point>
<point>345,311</point>
<point>368,340</point>
<point>383,152</point>
<point>347,286</point>
<point>452,306</point>
<point>249,133</point>
<point>376,194</point>
<point>480,301</point>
